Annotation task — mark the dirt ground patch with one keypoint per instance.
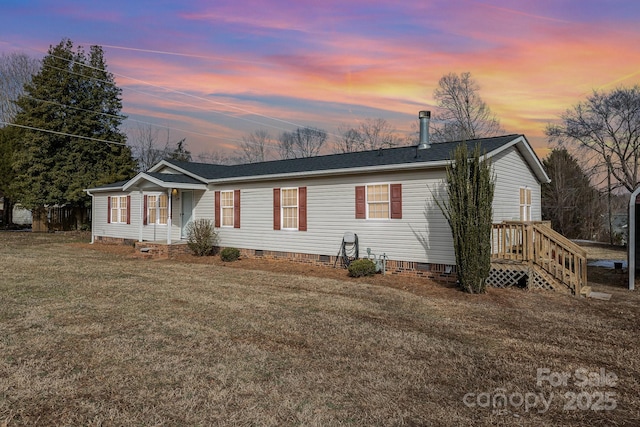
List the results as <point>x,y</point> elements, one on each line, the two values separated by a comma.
<point>90,335</point>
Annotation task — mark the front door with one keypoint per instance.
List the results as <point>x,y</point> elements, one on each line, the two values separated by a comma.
<point>186,212</point>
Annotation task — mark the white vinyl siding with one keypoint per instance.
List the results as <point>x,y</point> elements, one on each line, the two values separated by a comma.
<point>421,235</point>
<point>115,229</point>
<point>513,173</point>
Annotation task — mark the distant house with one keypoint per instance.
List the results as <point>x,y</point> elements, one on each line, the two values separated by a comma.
<point>300,208</point>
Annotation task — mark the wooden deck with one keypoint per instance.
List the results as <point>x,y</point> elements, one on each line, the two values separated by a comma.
<point>534,250</point>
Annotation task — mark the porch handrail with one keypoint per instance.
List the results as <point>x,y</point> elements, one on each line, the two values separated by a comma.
<point>537,243</point>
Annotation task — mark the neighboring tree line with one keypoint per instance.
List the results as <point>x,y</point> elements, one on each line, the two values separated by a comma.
<point>604,133</point>
<point>62,131</point>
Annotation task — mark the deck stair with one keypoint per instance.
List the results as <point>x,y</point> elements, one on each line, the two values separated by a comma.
<point>532,254</point>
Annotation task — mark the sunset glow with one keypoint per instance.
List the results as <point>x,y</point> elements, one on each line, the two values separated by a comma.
<point>223,69</point>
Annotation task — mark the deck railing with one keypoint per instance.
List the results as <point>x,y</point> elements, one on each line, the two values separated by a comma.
<point>536,243</point>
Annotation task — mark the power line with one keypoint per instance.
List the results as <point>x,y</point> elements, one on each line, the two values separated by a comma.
<point>133,120</point>
<point>243,110</point>
<point>63,133</point>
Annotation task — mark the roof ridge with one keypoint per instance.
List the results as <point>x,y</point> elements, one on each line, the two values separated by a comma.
<point>324,156</point>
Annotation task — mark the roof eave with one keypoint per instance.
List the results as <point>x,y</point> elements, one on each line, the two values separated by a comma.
<point>102,189</point>
<point>164,163</point>
<point>326,172</point>
<point>133,183</point>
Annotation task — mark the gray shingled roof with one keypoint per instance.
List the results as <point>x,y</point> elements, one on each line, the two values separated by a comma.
<point>115,185</point>
<point>176,178</point>
<point>389,156</point>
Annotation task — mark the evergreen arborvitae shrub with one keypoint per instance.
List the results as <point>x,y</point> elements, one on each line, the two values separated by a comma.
<point>229,254</point>
<point>201,237</point>
<point>469,211</point>
<point>362,267</point>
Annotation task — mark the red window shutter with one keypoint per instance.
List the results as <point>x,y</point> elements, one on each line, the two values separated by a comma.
<point>302,208</point>
<point>276,209</point>
<point>396,201</point>
<point>216,209</point>
<point>236,209</point>
<point>128,209</point>
<point>145,208</point>
<point>361,202</point>
<point>109,210</point>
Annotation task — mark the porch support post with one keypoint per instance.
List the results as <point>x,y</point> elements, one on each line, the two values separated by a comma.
<point>141,217</point>
<point>169,215</point>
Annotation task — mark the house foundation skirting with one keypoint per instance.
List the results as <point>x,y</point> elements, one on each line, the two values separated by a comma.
<point>157,250</point>
<point>436,272</point>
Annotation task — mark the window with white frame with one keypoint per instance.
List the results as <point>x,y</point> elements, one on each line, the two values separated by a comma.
<point>378,201</point>
<point>163,209</point>
<point>289,208</point>
<point>119,209</point>
<point>226,208</point>
<point>525,204</point>
<point>157,209</point>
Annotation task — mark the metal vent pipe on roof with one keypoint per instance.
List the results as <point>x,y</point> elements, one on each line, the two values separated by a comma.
<point>424,117</point>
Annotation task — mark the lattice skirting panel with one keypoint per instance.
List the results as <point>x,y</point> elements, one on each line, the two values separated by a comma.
<point>538,281</point>
<point>500,277</point>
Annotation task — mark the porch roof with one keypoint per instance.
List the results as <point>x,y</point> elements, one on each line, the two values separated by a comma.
<point>164,180</point>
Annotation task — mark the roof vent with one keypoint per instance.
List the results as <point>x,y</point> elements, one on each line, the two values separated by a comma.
<point>424,117</point>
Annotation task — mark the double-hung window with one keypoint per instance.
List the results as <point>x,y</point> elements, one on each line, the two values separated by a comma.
<point>119,209</point>
<point>157,209</point>
<point>227,208</point>
<point>290,208</point>
<point>379,201</point>
<point>226,205</point>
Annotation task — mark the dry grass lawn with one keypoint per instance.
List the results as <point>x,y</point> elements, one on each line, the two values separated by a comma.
<point>96,337</point>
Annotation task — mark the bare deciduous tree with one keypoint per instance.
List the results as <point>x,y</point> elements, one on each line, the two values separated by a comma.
<point>303,142</point>
<point>215,158</point>
<point>350,140</point>
<point>146,146</point>
<point>608,125</point>
<point>149,146</point>
<point>370,135</point>
<point>16,70</point>
<point>255,147</point>
<point>462,114</point>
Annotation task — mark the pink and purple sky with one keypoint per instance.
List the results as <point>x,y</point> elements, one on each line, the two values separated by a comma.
<point>214,71</point>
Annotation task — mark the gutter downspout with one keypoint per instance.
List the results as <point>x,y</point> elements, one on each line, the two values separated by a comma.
<point>93,211</point>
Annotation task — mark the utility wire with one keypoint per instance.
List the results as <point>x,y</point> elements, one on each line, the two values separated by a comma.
<point>63,133</point>
<point>190,96</point>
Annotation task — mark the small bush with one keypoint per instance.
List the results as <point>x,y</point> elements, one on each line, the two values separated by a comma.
<point>229,254</point>
<point>362,267</point>
<point>201,237</point>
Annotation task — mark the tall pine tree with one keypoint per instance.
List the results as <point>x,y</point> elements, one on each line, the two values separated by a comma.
<point>70,139</point>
